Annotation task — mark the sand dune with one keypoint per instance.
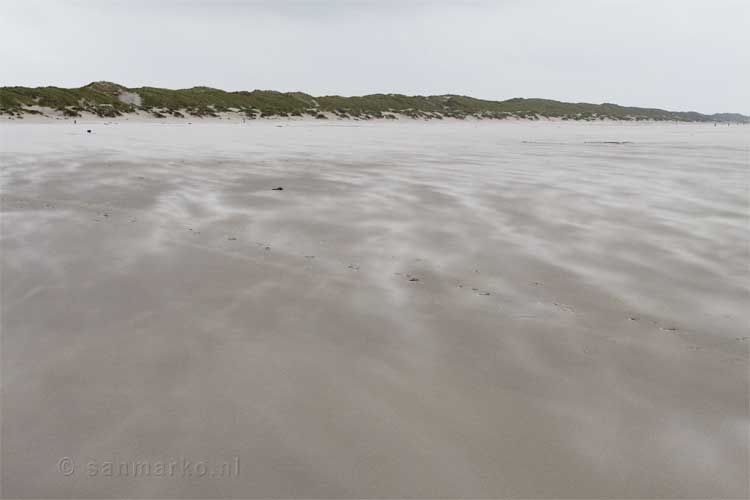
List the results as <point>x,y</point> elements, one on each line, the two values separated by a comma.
<point>473,309</point>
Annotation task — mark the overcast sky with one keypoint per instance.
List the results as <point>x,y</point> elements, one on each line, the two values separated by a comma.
<point>674,54</point>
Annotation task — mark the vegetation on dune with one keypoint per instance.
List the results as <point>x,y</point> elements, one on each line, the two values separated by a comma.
<point>108,99</point>
<point>99,98</point>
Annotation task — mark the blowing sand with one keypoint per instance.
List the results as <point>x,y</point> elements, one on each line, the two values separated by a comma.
<point>425,310</point>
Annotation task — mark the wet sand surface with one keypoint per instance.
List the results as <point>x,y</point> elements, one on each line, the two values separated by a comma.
<point>425,310</point>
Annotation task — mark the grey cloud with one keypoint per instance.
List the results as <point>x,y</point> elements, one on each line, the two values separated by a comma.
<point>682,55</point>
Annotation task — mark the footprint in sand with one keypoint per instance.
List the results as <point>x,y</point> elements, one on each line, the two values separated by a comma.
<point>409,277</point>
<point>563,307</point>
<point>670,329</point>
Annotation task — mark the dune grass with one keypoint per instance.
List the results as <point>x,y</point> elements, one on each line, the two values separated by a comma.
<point>103,99</point>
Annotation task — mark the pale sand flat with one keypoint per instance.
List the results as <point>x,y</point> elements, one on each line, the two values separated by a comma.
<point>425,310</point>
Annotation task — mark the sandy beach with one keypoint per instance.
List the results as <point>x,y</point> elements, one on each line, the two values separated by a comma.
<point>444,309</point>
